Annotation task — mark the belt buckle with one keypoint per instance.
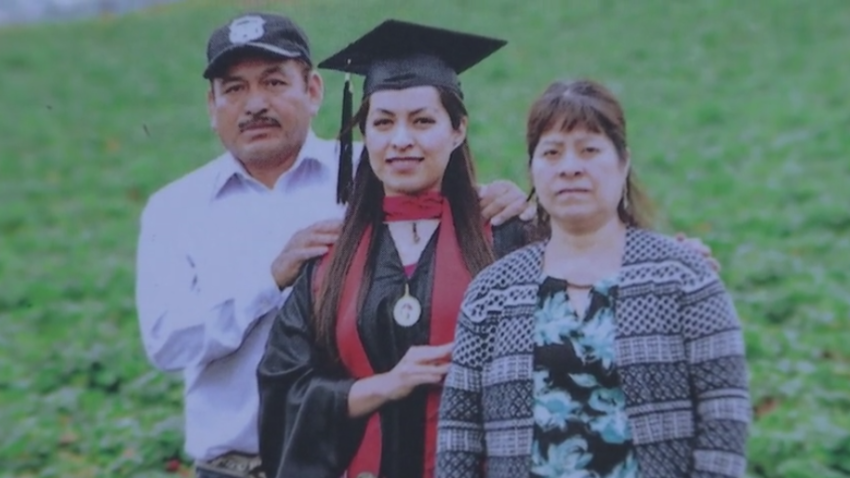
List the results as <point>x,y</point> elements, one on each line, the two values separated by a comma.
<point>234,464</point>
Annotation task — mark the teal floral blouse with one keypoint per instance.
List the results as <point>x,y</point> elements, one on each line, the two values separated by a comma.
<point>580,426</point>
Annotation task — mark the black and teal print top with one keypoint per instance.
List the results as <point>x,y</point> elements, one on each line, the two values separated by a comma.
<point>580,426</point>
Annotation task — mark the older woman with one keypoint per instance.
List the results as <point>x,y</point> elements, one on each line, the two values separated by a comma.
<point>605,350</point>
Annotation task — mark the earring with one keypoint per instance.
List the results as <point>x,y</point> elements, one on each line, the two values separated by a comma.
<point>626,196</point>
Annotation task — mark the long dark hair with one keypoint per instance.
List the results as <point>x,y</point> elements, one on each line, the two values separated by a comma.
<point>366,209</point>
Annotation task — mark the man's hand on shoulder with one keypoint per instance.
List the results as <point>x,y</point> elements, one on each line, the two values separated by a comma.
<point>700,247</point>
<point>503,200</point>
<point>313,241</point>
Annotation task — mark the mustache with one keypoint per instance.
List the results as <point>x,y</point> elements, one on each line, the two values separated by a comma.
<point>258,122</point>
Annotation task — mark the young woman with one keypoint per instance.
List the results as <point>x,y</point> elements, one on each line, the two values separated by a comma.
<point>351,377</point>
<point>605,350</point>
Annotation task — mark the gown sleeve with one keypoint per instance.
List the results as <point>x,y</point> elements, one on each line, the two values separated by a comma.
<point>304,425</point>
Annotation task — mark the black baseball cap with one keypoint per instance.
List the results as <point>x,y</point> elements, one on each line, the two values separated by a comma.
<point>260,32</point>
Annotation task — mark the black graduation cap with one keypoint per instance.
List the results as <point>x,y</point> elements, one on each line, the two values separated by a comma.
<point>397,55</point>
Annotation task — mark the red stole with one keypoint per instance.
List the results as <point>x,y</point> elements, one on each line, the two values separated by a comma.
<point>451,278</point>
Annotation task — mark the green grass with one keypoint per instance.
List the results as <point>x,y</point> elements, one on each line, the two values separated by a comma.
<point>739,124</point>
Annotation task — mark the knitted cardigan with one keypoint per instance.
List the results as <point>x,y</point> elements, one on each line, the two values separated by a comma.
<point>680,356</point>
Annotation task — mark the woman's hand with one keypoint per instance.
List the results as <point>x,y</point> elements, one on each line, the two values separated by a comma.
<point>421,365</point>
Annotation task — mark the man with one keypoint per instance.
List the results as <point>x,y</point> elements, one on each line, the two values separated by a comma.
<point>212,268</point>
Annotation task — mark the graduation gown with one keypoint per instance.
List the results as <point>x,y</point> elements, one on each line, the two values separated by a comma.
<point>305,430</point>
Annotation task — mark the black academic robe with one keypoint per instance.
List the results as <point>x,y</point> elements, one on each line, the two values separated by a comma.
<point>305,430</point>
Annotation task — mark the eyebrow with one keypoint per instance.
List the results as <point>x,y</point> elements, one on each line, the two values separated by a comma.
<point>231,78</point>
<point>391,113</point>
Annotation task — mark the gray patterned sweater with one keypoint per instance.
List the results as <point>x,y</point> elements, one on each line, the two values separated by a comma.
<point>680,355</point>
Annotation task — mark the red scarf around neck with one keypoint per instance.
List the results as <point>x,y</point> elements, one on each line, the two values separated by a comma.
<point>413,208</point>
<point>451,279</point>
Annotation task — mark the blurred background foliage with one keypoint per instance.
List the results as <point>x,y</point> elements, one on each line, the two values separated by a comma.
<point>738,122</point>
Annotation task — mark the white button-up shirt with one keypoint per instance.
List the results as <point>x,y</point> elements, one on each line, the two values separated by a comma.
<point>205,293</point>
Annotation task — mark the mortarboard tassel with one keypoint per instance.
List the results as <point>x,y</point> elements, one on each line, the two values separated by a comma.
<point>343,184</point>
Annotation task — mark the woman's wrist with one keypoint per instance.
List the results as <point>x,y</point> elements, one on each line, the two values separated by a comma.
<point>369,394</point>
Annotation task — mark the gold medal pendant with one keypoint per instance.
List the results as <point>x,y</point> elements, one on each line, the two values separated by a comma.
<point>407,309</point>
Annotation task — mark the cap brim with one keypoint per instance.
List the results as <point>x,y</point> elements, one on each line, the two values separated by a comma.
<point>229,53</point>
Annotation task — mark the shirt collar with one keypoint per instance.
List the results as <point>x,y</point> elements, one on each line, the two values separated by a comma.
<point>314,150</point>
<point>230,169</point>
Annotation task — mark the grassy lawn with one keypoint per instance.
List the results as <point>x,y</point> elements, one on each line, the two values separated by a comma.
<point>738,122</point>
